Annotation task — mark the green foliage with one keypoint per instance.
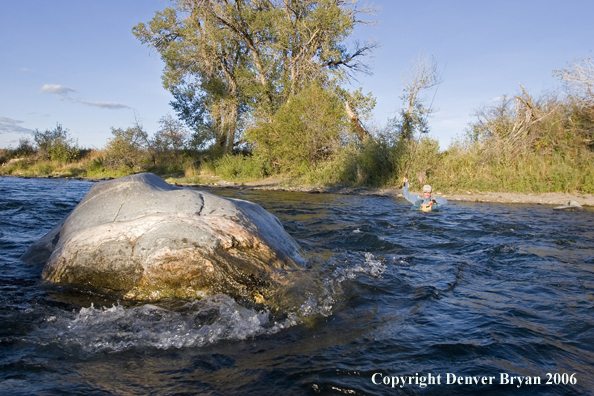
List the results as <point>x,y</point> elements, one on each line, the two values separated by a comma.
<point>413,120</point>
<point>173,166</point>
<point>376,163</point>
<point>522,144</point>
<point>419,160</point>
<point>191,106</point>
<point>369,163</point>
<point>129,148</point>
<point>95,167</point>
<point>306,130</point>
<point>43,168</point>
<point>238,167</point>
<point>56,145</point>
<point>16,166</point>
<point>25,148</point>
<point>113,172</point>
<point>519,145</point>
<point>580,119</point>
<point>169,141</point>
<point>227,64</point>
<point>465,169</point>
<point>362,104</point>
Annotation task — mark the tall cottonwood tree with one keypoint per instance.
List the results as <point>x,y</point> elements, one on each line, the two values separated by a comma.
<point>248,57</point>
<point>200,56</point>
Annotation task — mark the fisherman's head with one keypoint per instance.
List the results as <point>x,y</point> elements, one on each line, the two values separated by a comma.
<point>426,191</point>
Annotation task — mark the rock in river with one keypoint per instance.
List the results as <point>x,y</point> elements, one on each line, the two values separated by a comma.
<point>141,238</point>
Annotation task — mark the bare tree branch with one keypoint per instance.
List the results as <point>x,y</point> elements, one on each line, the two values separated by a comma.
<point>579,79</point>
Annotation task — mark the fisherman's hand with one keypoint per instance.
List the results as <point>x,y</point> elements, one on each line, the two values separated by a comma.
<point>404,180</point>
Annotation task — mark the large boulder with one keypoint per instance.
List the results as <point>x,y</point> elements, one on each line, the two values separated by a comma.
<point>141,238</point>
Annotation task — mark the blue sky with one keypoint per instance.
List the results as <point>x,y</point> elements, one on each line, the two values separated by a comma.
<point>76,62</point>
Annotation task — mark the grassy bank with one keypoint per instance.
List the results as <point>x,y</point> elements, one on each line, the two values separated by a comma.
<point>522,144</point>
<point>464,166</point>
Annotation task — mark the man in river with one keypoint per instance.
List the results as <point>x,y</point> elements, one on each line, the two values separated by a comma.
<point>424,203</point>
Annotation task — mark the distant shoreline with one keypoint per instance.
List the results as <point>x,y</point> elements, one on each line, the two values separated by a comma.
<point>490,197</point>
<point>553,198</point>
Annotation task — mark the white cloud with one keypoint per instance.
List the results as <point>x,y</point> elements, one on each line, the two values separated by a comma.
<point>63,93</point>
<point>54,89</point>
<point>104,105</point>
<point>8,125</point>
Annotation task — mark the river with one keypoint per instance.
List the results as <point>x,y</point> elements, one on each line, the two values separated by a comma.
<point>478,298</point>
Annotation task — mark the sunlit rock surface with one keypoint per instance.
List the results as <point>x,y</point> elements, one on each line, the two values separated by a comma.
<point>141,238</point>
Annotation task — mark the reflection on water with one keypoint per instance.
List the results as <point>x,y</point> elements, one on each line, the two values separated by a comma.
<point>475,290</point>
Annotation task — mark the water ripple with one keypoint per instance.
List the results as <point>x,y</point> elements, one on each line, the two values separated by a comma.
<point>476,289</point>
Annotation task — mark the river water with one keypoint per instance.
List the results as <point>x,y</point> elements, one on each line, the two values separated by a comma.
<point>461,301</point>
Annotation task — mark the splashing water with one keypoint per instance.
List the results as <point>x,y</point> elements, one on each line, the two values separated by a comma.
<point>198,323</point>
<point>321,300</point>
<point>391,291</point>
<point>118,328</point>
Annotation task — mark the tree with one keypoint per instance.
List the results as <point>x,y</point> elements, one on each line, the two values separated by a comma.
<point>241,60</point>
<point>129,148</point>
<point>190,106</point>
<point>579,83</point>
<point>199,57</point>
<point>170,139</point>
<point>306,130</point>
<point>358,107</point>
<point>25,148</point>
<point>414,117</point>
<point>516,126</point>
<point>56,145</point>
<point>579,80</point>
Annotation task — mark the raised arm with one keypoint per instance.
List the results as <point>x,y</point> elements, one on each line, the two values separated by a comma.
<point>407,195</point>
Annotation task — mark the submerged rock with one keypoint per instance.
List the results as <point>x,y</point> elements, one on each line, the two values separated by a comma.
<point>571,205</point>
<point>141,238</point>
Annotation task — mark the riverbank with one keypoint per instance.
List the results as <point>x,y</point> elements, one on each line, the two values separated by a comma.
<point>555,198</point>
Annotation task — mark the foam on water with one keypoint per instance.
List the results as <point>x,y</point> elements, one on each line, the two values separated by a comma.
<point>198,323</point>
<point>457,292</point>
<point>322,297</point>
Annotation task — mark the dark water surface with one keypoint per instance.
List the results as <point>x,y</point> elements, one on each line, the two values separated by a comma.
<point>476,290</point>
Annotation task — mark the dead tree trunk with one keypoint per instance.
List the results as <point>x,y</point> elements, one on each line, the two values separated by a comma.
<point>359,130</point>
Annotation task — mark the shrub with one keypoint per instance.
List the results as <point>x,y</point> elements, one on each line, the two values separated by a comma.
<point>418,160</point>
<point>43,168</point>
<point>56,145</point>
<point>170,140</point>
<point>539,145</point>
<point>25,148</point>
<point>370,162</point>
<point>128,148</point>
<point>306,130</point>
<point>95,166</point>
<point>235,167</point>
